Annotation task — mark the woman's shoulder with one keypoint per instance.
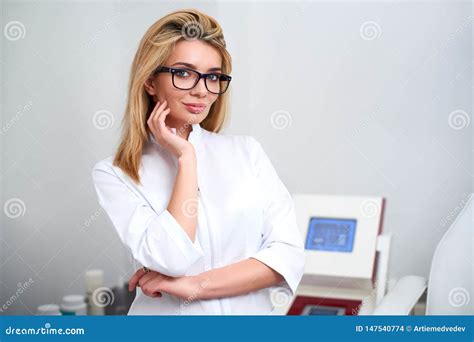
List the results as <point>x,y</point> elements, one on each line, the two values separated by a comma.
<point>106,165</point>
<point>106,172</point>
<point>246,143</point>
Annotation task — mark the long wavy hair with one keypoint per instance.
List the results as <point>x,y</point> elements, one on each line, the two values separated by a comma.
<point>154,49</point>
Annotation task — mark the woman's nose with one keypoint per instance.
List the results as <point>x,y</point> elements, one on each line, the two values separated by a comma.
<point>200,88</point>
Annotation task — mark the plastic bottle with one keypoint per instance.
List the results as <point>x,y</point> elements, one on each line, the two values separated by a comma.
<point>94,279</point>
<point>73,305</point>
<point>48,310</point>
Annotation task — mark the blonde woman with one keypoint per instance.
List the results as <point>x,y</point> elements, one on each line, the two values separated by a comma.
<point>204,214</point>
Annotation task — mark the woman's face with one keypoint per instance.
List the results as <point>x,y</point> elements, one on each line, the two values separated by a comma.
<point>191,54</point>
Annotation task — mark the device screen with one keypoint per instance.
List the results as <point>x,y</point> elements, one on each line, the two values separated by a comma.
<point>316,310</point>
<point>331,234</point>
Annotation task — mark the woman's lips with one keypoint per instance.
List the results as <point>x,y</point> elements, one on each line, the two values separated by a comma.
<point>195,109</point>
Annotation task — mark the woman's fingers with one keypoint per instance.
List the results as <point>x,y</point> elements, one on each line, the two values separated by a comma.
<point>134,280</point>
<point>159,114</point>
<point>155,114</point>
<point>161,120</point>
<point>152,287</point>
<point>152,116</point>
<point>147,277</point>
<point>162,112</point>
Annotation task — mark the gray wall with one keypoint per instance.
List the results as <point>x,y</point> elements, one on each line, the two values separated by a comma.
<point>354,98</point>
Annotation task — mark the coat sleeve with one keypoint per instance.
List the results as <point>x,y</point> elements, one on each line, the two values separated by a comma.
<point>156,240</point>
<point>282,247</point>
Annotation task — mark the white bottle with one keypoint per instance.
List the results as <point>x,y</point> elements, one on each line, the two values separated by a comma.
<point>73,305</point>
<point>48,310</point>
<point>94,280</point>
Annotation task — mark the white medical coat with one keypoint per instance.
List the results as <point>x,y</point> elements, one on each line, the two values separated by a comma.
<point>244,211</point>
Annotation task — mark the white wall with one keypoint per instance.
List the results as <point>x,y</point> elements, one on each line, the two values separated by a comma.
<point>368,117</point>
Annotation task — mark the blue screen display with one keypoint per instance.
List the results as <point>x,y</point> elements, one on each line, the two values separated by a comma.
<point>317,310</point>
<point>331,234</point>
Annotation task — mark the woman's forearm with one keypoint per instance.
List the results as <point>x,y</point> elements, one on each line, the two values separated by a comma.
<point>183,201</point>
<point>236,279</point>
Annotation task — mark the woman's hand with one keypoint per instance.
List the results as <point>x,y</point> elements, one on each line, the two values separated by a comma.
<point>153,283</point>
<point>175,144</point>
<point>140,278</point>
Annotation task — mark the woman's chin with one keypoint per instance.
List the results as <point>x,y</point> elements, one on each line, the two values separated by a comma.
<point>196,118</point>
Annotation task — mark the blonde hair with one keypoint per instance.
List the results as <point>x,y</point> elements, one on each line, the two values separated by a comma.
<point>154,49</point>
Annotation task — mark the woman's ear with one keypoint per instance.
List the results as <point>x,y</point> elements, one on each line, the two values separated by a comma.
<point>150,87</point>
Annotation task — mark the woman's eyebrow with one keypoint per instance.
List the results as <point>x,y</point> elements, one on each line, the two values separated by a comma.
<point>194,67</point>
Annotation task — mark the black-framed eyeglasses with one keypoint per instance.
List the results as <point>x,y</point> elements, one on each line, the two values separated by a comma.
<point>185,79</point>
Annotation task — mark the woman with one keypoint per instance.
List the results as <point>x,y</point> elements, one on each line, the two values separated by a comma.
<point>205,215</point>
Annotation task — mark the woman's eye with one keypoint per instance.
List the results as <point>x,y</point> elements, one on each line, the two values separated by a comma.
<point>182,73</point>
<point>213,77</point>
